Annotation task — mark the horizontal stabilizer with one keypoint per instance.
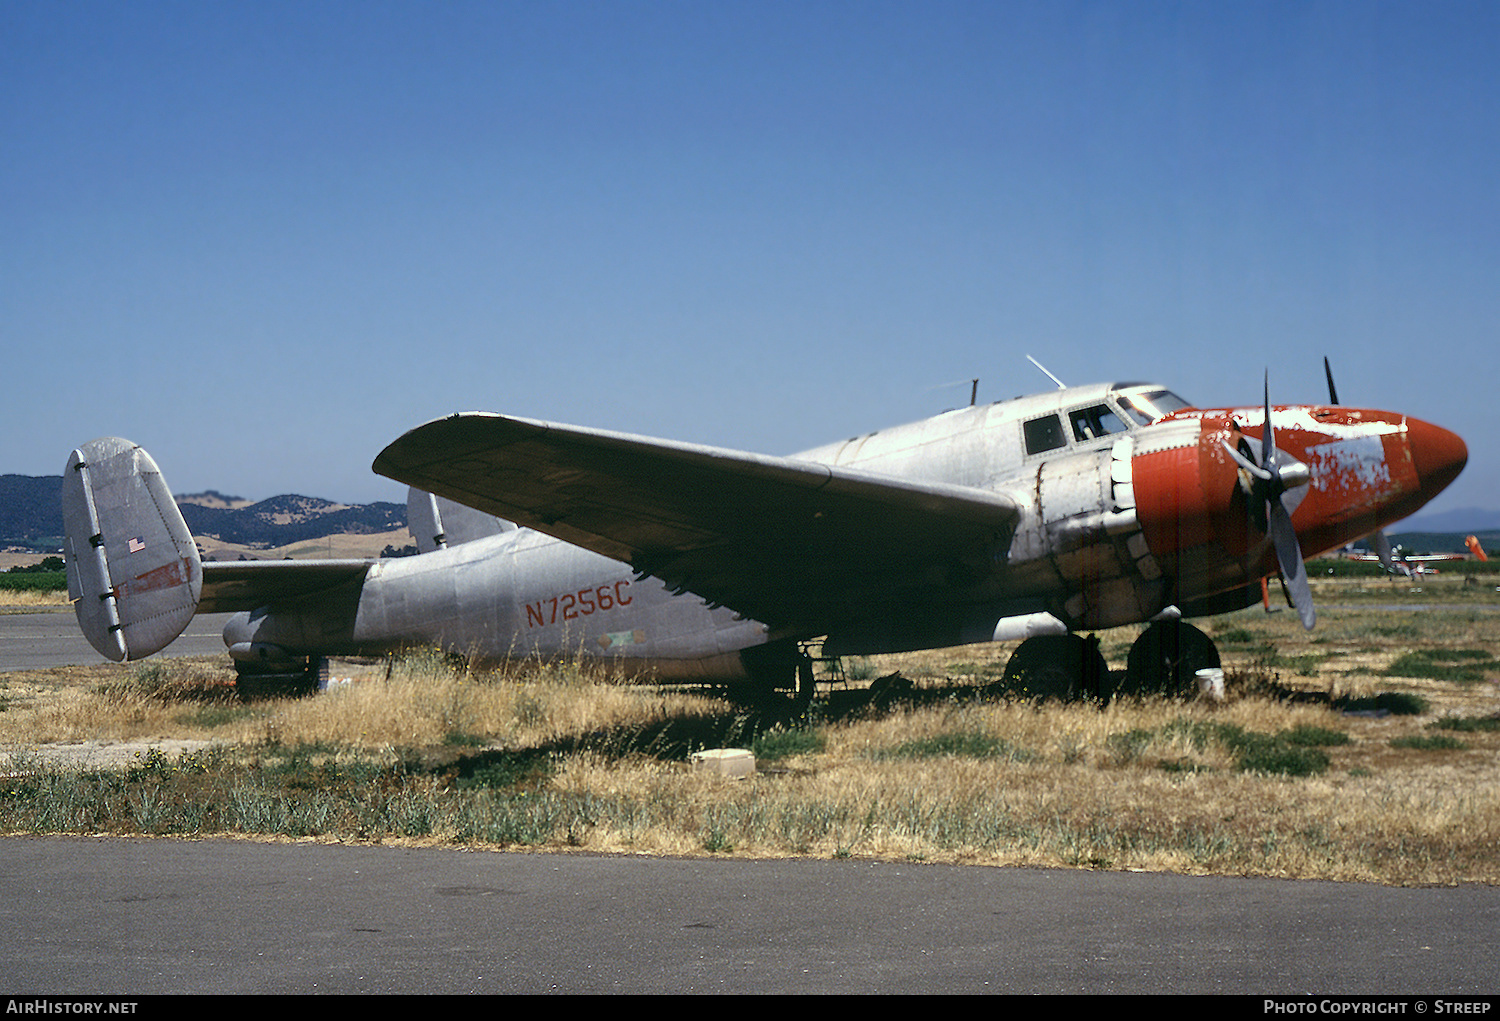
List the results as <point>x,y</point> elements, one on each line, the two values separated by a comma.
<point>133,571</point>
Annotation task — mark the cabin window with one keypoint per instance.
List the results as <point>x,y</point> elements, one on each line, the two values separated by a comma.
<point>1093,423</point>
<point>1044,434</point>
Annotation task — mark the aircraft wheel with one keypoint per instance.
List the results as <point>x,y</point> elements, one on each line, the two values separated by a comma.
<point>1062,667</point>
<point>781,677</point>
<point>1166,657</point>
<point>254,684</point>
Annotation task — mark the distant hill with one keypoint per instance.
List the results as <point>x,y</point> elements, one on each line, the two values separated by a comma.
<point>212,498</point>
<point>31,513</point>
<point>30,509</point>
<point>1468,520</point>
<point>282,520</point>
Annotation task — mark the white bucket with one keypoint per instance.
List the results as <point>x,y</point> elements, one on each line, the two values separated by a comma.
<point>1211,683</point>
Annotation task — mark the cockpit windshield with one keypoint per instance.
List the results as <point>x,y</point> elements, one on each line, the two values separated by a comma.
<point>1147,405</point>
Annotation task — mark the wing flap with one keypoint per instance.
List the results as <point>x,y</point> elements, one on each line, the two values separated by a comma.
<point>786,542</point>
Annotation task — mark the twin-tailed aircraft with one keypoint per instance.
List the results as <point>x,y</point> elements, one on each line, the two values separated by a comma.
<point>1040,518</point>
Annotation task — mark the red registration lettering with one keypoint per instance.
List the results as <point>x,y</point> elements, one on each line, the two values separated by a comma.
<point>577,604</point>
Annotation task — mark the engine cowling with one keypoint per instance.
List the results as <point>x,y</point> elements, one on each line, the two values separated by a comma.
<point>1354,471</point>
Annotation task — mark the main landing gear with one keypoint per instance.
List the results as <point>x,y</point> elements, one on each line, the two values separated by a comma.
<point>1061,667</point>
<point>1164,660</point>
<point>781,676</point>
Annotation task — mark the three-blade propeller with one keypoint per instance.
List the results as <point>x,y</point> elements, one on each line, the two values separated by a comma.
<point>1271,480</point>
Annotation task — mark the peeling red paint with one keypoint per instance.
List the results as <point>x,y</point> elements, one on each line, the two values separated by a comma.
<point>1367,469</point>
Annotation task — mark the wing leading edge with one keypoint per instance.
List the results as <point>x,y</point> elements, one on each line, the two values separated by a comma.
<point>795,544</point>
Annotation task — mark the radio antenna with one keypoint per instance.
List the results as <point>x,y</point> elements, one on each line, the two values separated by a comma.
<point>1060,384</point>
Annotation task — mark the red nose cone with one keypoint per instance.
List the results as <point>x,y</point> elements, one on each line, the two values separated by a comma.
<point>1436,454</point>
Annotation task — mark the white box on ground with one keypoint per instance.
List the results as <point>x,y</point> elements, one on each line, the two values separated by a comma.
<point>731,762</point>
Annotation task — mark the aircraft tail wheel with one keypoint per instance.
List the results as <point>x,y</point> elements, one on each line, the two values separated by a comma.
<point>285,681</point>
<point>1166,658</point>
<point>1061,667</point>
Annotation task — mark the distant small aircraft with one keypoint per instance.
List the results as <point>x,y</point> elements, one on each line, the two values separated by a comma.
<point>1038,518</point>
<point>1398,562</point>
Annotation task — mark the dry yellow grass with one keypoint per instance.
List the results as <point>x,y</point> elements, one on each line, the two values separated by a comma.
<point>425,701</point>
<point>1073,797</point>
<point>32,599</point>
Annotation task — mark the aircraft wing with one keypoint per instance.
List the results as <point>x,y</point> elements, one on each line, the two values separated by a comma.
<point>794,544</point>
<point>235,585</point>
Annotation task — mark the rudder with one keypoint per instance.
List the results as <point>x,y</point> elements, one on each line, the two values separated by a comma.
<point>134,574</point>
<point>436,522</point>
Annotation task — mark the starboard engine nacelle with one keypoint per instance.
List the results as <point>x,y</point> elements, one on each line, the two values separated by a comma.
<point>134,574</point>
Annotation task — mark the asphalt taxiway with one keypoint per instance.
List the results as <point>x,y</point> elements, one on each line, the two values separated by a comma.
<point>114,917</point>
<point>40,640</point>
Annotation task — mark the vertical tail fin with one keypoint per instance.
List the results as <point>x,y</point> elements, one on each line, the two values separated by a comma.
<point>436,522</point>
<point>133,570</point>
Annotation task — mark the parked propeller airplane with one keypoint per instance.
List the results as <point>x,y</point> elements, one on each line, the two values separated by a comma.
<point>1408,564</point>
<point>1041,518</point>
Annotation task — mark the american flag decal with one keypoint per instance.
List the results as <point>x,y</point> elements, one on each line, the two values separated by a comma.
<point>136,545</point>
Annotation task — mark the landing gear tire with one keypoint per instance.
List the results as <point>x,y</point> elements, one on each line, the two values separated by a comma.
<point>255,682</point>
<point>1061,667</point>
<point>1166,658</point>
<point>781,678</point>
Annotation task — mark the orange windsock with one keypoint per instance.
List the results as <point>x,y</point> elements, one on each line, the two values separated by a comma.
<point>1473,543</point>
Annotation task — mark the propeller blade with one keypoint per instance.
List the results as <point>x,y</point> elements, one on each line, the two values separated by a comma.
<point>1245,463</point>
<point>1293,570</point>
<point>1268,438</point>
<point>1333,394</point>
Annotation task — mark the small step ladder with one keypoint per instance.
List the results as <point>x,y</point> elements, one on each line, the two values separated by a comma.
<point>827,670</point>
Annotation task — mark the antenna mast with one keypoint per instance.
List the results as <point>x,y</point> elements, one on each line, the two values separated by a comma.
<point>1060,384</point>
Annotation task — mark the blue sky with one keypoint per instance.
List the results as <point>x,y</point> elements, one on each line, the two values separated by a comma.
<point>264,239</point>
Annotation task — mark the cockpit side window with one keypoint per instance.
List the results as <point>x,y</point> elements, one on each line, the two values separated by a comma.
<point>1147,406</point>
<point>1045,433</point>
<point>1093,423</point>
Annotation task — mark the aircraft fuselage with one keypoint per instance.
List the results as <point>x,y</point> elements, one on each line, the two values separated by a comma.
<point>1128,504</point>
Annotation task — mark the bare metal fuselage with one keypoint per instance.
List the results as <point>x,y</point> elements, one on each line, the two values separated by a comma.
<point>514,595</point>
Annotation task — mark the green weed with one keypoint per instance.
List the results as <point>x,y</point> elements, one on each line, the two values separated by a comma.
<point>1467,724</point>
<point>782,742</point>
<point>1466,666</point>
<point>1429,743</point>
<point>970,744</point>
<point>1397,703</point>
